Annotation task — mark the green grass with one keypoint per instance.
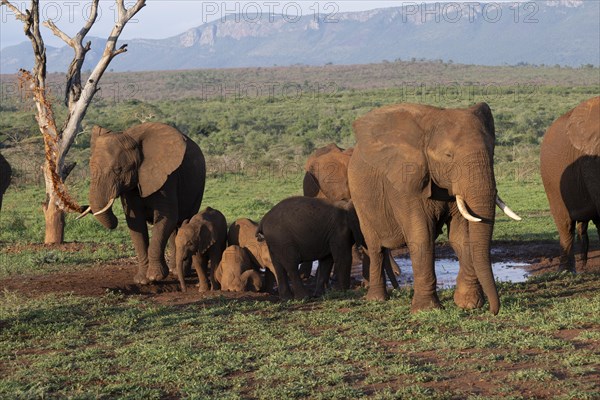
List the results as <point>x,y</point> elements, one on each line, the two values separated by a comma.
<point>340,347</point>
<point>544,342</point>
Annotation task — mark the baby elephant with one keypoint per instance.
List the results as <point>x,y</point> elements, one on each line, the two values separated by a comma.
<point>203,238</point>
<point>236,272</point>
<point>305,229</point>
<point>243,233</point>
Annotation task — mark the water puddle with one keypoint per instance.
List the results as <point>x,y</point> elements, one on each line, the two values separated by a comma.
<point>446,271</point>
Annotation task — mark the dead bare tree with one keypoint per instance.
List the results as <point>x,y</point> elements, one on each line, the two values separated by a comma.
<point>77,97</point>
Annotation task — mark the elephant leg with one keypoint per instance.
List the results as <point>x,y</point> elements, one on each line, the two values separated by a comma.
<point>305,270</point>
<point>388,267</point>
<point>269,281</point>
<point>215,259</point>
<point>582,233</point>
<point>377,288</point>
<point>165,223</point>
<point>342,258</point>
<point>173,253</point>
<point>323,274</point>
<point>420,241</point>
<point>289,267</point>
<point>200,264</point>
<point>138,231</point>
<point>283,287</point>
<point>366,263</point>
<point>566,233</point>
<point>468,293</point>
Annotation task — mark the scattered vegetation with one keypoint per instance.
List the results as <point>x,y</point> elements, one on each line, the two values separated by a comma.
<point>543,344</point>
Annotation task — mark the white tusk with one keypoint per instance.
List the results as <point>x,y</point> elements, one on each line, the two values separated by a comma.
<point>83,214</point>
<point>105,209</point>
<point>506,209</point>
<point>462,207</point>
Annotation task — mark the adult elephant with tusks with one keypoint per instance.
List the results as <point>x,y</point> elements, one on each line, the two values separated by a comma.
<point>159,173</point>
<point>414,168</point>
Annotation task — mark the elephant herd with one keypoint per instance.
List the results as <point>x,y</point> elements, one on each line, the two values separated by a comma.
<point>414,169</point>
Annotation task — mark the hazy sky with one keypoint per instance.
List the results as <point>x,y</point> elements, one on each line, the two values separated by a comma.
<point>165,18</point>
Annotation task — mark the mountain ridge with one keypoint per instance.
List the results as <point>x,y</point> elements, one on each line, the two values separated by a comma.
<point>564,32</point>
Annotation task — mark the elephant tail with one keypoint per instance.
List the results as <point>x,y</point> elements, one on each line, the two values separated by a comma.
<point>259,232</point>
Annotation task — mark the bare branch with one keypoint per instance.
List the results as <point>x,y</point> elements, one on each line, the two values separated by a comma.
<point>121,49</point>
<point>88,25</point>
<point>18,14</point>
<point>58,33</point>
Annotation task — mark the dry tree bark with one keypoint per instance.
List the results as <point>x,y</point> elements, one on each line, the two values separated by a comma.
<point>77,98</point>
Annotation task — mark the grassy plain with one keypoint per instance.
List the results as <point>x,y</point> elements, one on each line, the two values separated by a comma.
<point>543,344</point>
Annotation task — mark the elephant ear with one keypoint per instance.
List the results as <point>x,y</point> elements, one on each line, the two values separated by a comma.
<point>392,141</point>
<point>162,148</point>
<point>206,238</point>
<point>583,128</point>
<point>484,113</point>
<point>310,185</point>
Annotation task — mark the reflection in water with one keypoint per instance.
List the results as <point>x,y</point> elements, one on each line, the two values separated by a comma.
<point>446,271</point>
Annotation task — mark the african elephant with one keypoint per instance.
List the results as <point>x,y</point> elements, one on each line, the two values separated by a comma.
<point>159,174</point>
<point>203,238</point>
<point>5,174</point>
<point>326,177</point>
<point>570,168</point>
<point>304,228</point>
<point>414,168</point>
<point>243,233</point>
<point>237,272</point>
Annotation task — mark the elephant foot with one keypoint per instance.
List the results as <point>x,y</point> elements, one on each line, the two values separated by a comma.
<point>425,303</point>
<point>157,272</point>
<point>377,293</point>
<point>468,297</point>
<point>140,279</point>
<point>203,287</point>
<point>301,294</point>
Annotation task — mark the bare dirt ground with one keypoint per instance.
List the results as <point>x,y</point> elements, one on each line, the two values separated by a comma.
<point>117,276</point>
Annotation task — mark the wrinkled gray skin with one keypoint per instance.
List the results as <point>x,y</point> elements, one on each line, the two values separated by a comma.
<point>409,163</point>
<point>159,175</point>
<point>237,272</point>
<point>301,229</point>
<point>5,174</point>
<point>203,240</point>
<point>326,178</point>
<point>570,169</point>
<point>243,233</point>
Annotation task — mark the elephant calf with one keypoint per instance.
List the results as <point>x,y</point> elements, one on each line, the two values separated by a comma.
<point>236,271</point>
<point>243,233</point>
<point>304,229</point>
<point>203,238</point>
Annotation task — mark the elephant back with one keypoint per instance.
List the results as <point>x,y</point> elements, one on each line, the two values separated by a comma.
<point>583,127</point>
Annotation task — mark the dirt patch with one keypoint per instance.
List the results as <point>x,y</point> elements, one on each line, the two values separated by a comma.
<point>117,276</point>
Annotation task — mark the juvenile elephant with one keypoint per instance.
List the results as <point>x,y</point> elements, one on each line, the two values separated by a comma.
<point>159,174</point>
<point>304,229</point>
<point>237,272</point>
<point>414,168</point>
<point>570,169</point>
<point>243,233</point>
<point>5,174</point>
<point>326,178</point>
<point>203,239</point>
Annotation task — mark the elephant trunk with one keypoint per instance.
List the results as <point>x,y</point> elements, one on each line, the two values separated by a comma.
<point>180,256</point>
<point>480,236</point>
<point>99,199</point>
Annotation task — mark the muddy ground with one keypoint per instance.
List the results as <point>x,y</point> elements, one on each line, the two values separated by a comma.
<point>117,276</point>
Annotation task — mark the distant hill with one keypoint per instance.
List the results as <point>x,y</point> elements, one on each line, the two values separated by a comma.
<point>565,32</point>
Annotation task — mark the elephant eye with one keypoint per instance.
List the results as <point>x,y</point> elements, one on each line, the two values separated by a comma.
<point>449,155</point>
